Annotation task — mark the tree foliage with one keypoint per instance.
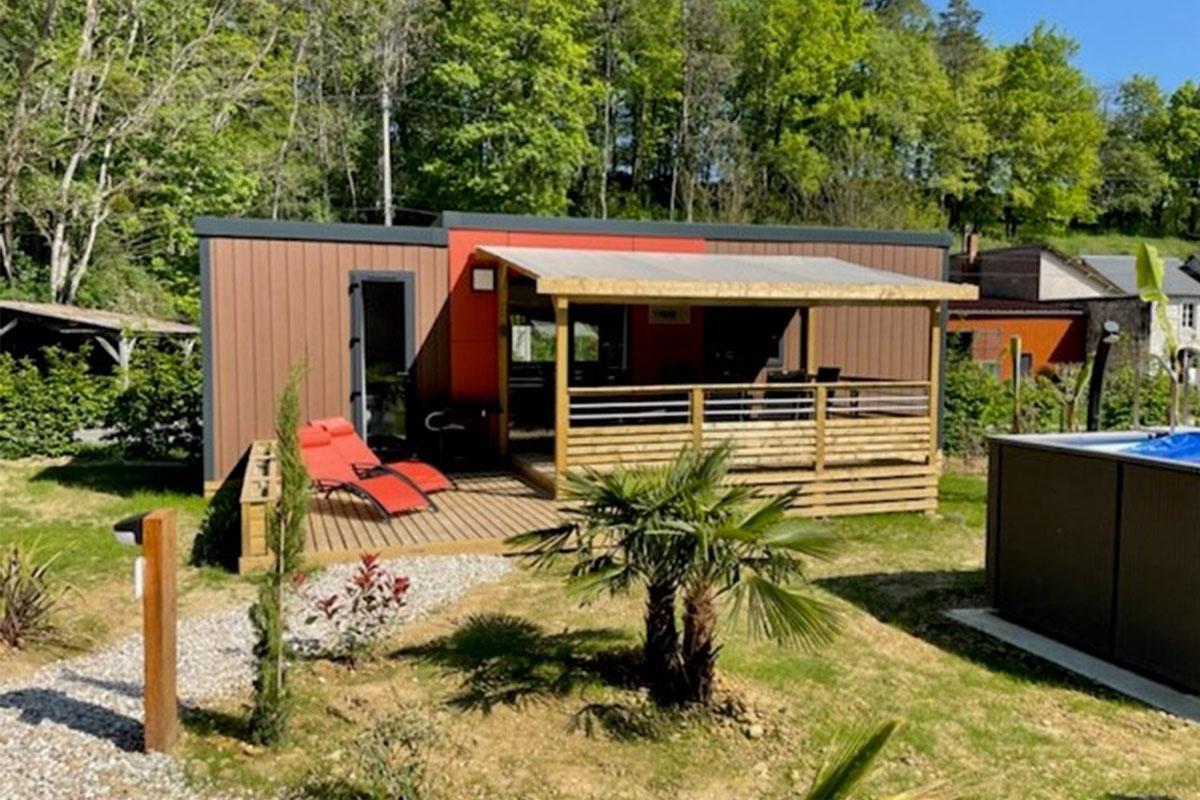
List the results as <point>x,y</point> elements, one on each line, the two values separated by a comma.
<point>120,121</point>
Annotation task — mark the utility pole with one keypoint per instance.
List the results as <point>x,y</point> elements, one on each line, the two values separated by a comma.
<point>385,109</point>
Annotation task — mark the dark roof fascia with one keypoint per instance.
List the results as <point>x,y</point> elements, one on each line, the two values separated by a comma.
<point>704,230</point>
<point>235,228</point>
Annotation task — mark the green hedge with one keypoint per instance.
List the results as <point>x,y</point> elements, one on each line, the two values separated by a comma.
<point>159,414</point>
<point>978,403</point>
<point>42,407</point>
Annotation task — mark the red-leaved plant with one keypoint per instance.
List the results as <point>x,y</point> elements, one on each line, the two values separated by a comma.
<point>363,609</point>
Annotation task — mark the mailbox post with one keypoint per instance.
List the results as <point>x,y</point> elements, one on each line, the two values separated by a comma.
<point>157,568</point>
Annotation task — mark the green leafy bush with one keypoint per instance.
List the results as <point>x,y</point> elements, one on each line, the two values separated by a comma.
<point>27,599</point>
<point>158,415</point>
<point>41,407</point>
<point>979,404</point>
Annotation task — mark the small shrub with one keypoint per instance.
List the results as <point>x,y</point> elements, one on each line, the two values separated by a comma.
<point>27,599</point>
<point>977,404</point>
<point>273,698</point>
<point>393,754</point>
<point>159,414</point>
<point>41,407</point>
<point>363,609</point>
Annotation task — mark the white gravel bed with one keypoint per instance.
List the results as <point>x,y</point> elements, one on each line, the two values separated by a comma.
<point>73,729</point>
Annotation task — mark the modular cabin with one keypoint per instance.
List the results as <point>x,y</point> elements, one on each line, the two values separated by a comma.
<point>543,345</point>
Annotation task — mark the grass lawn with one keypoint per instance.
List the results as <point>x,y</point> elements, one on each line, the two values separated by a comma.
<point>502,676</point>
<point>67,507</point>
<point>1118,244</point>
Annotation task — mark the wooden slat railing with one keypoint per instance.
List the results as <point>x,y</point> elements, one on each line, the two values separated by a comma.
<point>782,434</point>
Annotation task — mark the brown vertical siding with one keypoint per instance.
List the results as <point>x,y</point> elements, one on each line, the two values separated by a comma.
<point>275,302</point>
<point>865,341</point>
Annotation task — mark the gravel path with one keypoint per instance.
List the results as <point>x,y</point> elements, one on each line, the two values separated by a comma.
<point>73,729</point>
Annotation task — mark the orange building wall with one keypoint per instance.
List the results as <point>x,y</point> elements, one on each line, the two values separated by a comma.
<point>1050,340</point>
<point>473,328</point>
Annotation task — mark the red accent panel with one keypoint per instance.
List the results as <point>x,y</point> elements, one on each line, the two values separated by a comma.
<point>473,314</point>
<point>665,353</point>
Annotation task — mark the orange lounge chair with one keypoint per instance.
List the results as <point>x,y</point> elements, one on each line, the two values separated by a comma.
<point>389,494</point>
<point>354,450</point>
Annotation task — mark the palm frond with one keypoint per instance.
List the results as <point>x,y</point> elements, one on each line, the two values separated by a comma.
<point>787,617</point>
<point>803,538</point>
<point>851,763</point>
<point>542,548</point>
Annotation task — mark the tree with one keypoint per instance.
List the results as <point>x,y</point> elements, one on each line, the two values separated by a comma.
<point>1047,131</point>
<point>678,527</point>
<point>1182,155</point>
<point>794,58</point>
<point>506,106</point>
<point>617,549</point>
<point>1135,183</point>
<point>119,78</point>
<point>285,540</point>
<point>961,47</point>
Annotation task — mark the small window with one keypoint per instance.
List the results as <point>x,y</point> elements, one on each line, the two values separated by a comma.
<point>1188,315</point>
<point>1026,364</point>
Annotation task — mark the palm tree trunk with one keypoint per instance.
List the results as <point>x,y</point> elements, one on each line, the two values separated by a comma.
<point>661,651</point>
<point>699,643</point>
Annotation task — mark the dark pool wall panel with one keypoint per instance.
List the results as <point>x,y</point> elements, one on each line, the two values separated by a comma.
<point>1057,517</point>
<point>1158,580</point>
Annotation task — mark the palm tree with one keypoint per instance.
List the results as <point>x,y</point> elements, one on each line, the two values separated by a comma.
<point>746,548</point>
<point>680,526</point>
<point>616,543</point>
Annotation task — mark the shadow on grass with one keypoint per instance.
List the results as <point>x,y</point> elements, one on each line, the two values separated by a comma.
<point>123,478</point>
<point>510,661</point>
<point>208,721</point>
<point>915,602</point>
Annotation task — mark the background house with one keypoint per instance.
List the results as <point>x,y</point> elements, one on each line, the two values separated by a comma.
<point>1058,304</point>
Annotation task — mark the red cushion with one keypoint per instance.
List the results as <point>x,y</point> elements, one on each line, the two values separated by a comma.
<point>312,436</point>
<point>427,477</point>
<point>337,426</point>
<point>393,494</point>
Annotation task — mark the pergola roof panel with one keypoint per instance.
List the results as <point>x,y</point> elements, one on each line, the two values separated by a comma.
<point>604,274</point>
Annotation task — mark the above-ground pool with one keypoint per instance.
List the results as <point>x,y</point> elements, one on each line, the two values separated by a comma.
<point>1094,539</point>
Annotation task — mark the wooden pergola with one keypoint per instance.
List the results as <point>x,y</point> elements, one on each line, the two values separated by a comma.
<point>854,446</point>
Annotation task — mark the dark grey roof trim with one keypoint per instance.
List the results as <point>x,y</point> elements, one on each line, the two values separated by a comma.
<point>704,230</point>
<point>234,228</point>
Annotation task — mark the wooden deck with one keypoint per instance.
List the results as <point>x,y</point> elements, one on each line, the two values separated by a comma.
<point>485,509</point>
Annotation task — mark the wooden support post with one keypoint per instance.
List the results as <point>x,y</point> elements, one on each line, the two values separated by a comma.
<point>821,402</point>
<point>562,372</point>
<point>696,412</point>
<point>503,355</point>
<point>158,612</point>
<point>935,384</point>
<point>1014,351</point>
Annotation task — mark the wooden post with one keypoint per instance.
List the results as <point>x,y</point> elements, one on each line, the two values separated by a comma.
<point>821,397</point>
<point>503,355</point>
<point>935,384</point>
<point>158,612</point>
<point>696,409</point>
<point>1014,351</point>
<point>562,370</point>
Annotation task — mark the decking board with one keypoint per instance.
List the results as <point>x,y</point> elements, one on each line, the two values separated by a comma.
<point>485,509</point>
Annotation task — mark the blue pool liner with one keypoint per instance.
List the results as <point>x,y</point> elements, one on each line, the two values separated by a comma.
<point>1175,447</point>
